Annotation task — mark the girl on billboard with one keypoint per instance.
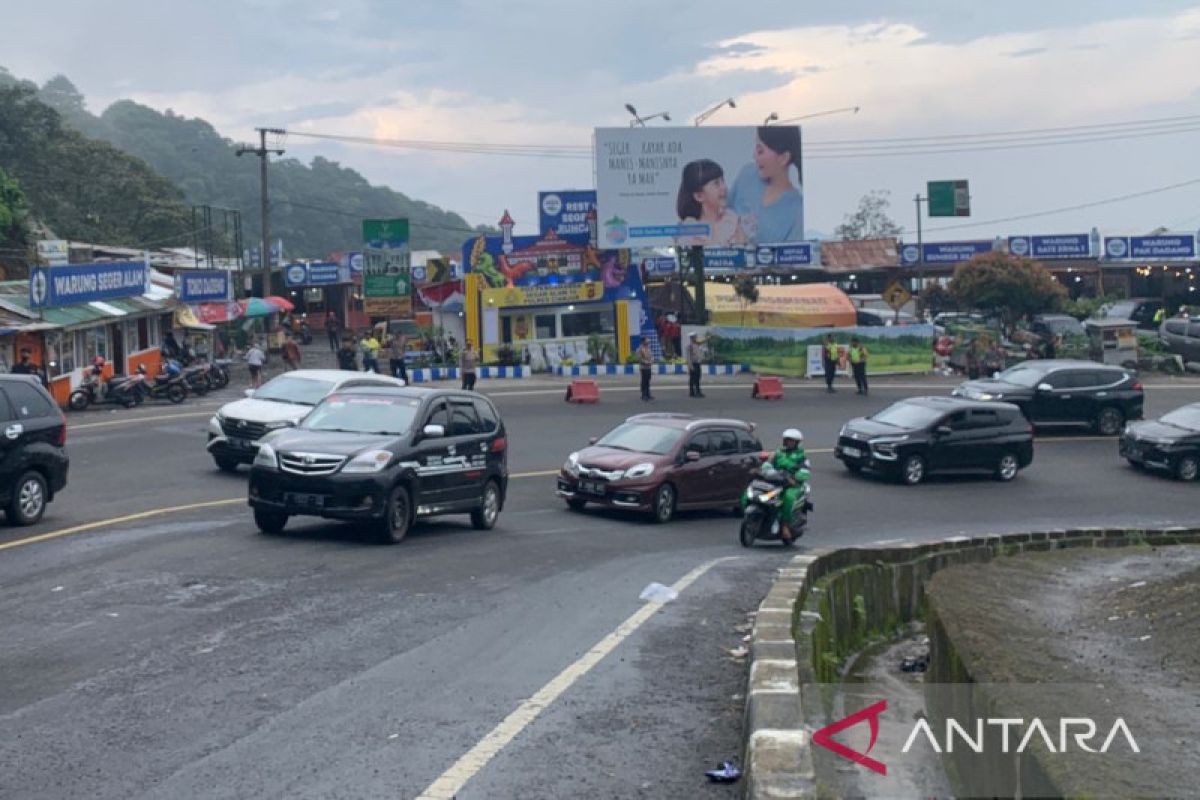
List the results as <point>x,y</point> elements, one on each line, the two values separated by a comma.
<point>763,196</point>
<point>704,198</point>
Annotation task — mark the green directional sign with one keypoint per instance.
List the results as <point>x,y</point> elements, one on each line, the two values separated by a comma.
<point>948,199</point>
<point>398,285</point>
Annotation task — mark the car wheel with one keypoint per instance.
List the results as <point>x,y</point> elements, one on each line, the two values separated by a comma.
<point>28,499</point>
<point>664,504</point>
<point>1187,468</point>
<point>484,518</point>
<point>226,464</point>
<point>1007,467</point>
<point>1109,421</point>
<point>913,470</point>
<point>397,517</point>
<point>270,522</point>
<point>576,504</point>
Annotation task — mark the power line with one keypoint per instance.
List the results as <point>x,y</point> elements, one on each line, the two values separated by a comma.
<point>356,215</point>
<point>1065,209</point>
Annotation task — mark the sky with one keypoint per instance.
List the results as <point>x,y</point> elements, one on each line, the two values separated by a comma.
<point>536,72</point>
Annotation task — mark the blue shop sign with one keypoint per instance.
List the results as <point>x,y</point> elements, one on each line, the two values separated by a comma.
<point>566,213</point>
<point>322,273</point>
<point>660,265</point>
<point>1169,246</point>
<point>796,254</point>
<point>944,252</point>
<point>50,287</point>
<point>202,286</point>
<point>1071,245</point>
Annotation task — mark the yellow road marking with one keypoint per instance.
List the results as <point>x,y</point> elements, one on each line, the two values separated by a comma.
<point>104,523</point>
<point>451,782</point>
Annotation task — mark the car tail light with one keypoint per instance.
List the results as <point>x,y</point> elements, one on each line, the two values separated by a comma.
<point>499,444</point>
<point>1137,386</point>
<point>61,440</point>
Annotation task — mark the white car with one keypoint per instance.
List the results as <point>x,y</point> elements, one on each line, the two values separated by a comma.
<point>281,402</point>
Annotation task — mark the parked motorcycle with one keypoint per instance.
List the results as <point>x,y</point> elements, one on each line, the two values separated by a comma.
<point>197,379</point>
<point>218,373</point>
<point>120,390</point>
<point>171,387</point>
<point>764,501</point>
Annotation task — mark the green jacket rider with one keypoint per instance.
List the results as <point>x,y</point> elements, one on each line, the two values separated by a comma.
<point>790,459</point>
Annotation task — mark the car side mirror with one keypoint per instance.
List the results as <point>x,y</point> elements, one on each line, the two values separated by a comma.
<point>691,455</point>
<point>249,393</point>
<point>593,440</point>
<point>1045,387</point>
<point>434,431</point>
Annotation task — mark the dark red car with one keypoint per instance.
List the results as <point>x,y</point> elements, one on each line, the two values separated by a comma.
<point>661,463</point>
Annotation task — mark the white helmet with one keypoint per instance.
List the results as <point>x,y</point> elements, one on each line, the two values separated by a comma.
<point>794,434</point>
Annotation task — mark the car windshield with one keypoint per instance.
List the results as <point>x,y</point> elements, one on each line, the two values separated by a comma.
<point>1061,326</point>
<point>909,416</point>
<point>348,414</point>
<point>642,438</point>
<point>1121,310</point>
<point>301,391</point>
<point>1023,376</point>
<point>1187,418</point>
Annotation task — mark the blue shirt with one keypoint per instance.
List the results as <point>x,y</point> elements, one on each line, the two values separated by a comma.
<point>782,221</point>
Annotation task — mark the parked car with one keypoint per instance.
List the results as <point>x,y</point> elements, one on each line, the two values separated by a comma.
<point>1057,325</point>
<point>913,438</point>
<point>234,431</point>
<point>384,457</point>
<point>1170,443</point>
<point>1062,392</point>
<point>873,317</point>
<point>1182,337</point>
<point>661,463</point>
<point>33,453</point>
<point>1139,309</point>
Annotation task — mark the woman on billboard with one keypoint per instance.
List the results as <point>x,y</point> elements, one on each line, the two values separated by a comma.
<point>704,199</point>
<point>770,207</point>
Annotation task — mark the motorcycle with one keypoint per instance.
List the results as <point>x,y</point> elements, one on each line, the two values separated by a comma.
<point>764,501</point>
<point>120,390</point>
<point>197,378</point>
<point>171,387</point>
<point>305,333</point>
<point>218,373</point>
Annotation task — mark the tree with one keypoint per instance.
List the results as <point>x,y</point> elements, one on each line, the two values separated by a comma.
<point>747,293</point>
<point>1009,287</point>
<point>871,220</point>
<point>934,299</point>
<point>14,229</point>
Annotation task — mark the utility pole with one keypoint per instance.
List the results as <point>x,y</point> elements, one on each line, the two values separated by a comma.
<point>264,264</point>
<point>920,247</point>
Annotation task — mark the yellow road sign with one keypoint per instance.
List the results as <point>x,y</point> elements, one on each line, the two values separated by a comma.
<point>896,295</point>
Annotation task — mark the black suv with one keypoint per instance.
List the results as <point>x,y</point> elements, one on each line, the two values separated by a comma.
<point>1055,392</point>
<point>1170,443</point>
<point>33,453</point>
<point>912,438</point>
<point>384,456</point>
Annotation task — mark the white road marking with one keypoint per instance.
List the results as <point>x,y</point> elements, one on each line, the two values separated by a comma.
<point>451,782</point>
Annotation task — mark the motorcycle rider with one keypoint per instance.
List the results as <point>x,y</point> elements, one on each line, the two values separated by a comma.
<point>792,461</point>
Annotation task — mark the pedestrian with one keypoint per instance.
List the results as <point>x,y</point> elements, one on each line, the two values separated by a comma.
<point>399,363</point>
<point>346,357</point>
<point>24,366</point>
<point>291,352</point>
<point>646,362</point>
<point>695,358</point>
<point>467,363</point>
<point>858,364</point>
<point>256,357</point>
<point>829,357</point>
<point>370,350</point>
<point>332,329</point>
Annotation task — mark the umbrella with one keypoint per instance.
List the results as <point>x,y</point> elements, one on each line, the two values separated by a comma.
<point>257,307</point>
<point>281,303</point>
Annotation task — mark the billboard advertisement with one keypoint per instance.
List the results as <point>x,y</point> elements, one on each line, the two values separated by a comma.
<point>387,261</point>
<point>567,213</point>
<point>712,187</point>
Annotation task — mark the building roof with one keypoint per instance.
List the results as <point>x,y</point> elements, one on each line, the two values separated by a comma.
<point>859,255</point>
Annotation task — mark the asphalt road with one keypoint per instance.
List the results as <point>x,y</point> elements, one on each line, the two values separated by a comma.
<point>181,654</point>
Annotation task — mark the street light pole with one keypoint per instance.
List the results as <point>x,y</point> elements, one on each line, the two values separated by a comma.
<point>847,110</point>
<point>706,114</point>
<point>265,254</point>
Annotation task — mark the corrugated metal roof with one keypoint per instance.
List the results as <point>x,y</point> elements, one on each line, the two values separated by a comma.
<point>859,255</point>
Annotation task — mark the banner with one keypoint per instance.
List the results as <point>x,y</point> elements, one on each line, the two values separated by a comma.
<point>202,286</point>
<point>568,213</point>
<point>1166,246</point>
<point>322,273</point>
<point>387,279</point>
<point>1072,245</point>
<point>55,252</point>
<point>944,252</point>
<point>50,287</point>
<point>797,306</point>
<point>894,349</point>
<point>698,186</point>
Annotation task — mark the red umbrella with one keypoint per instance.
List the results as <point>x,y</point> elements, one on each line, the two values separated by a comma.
<point>280,303</point>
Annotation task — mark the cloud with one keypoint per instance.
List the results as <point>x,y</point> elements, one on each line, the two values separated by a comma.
<point>1027,52</point>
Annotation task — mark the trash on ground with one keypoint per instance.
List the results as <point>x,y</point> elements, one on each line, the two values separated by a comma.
<point>726,773</point>
<point>739,652</point>
<point>657,593</point>
<point>1137,585</point>
<point>915,663</point>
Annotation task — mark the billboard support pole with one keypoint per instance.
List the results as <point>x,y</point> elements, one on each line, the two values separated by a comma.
<point>696,257</point>
<point>920,249</point>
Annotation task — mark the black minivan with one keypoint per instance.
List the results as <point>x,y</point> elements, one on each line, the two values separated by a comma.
<point>910,439</point>
<point>1062,392</point>
<point>33,453</point>
<point>384,456</point>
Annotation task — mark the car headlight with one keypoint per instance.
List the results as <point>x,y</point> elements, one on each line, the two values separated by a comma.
<point>282,423</point>
<point>888,443</point>
<point>571,465</point>
<point>639,471</point>
<point>265,457</point>
<point>370,461</point>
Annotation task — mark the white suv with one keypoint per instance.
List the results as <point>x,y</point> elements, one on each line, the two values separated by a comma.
<point>281,402</point>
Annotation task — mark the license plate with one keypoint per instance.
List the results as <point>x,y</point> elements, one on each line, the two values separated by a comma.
<point>853,452</point>
<point>591,487</point>
<point>304,500</point>
<point>240,444</point>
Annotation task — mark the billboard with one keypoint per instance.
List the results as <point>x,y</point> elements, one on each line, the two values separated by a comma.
<point>86,283</point>
<point>203,286</point>
<point>1164,246</point>
<point>567,213</point>
<point>387,261</point>
<point>1063,245</point>
<point>712,187</point>
<point>944,252</point>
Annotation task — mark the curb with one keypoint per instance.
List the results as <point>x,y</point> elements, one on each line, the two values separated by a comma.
<point>589,370</point>
<point>777,757</point>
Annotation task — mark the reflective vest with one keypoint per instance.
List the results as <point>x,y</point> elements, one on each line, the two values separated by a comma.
<point>858,355</point>
<point>831,351</point>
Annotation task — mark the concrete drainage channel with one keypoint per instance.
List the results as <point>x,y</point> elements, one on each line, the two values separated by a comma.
<point>828,604</point>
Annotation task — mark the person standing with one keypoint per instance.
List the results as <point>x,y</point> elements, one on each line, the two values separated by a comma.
<point>646,363</point>
<point>858,363</point>
<point>332,330</point>
<point>291,352</point>
<point>255,359</point>
<point>829,357</point>
<point>370,351</point>
<point>24,366</point>
<point>695,359</point>
<point>399,365</point>
<point>467,363</point>
<point>346,357</point>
